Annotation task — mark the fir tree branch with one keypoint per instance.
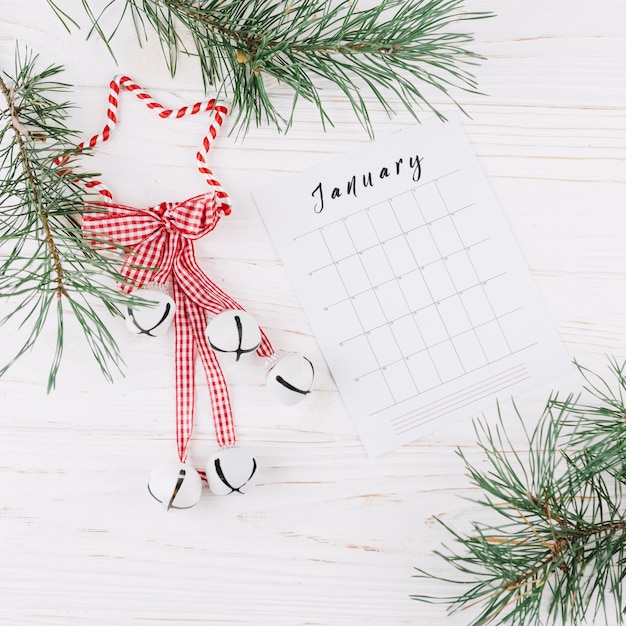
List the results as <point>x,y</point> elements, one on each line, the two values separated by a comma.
<point>558,556</point>
<point>403,48</point>
<point>43,255</point>
<point>21,133</point>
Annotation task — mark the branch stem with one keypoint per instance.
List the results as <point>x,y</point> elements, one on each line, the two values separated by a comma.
<point>20,134</point>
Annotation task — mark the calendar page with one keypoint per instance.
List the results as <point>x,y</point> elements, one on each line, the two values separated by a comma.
<point>412,283</point>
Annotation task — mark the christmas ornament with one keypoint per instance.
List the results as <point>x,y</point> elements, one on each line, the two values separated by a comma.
<point>234,332</point>
<point>230,470</point>
<point>162,237</point>
<point>154,318</point>
<point>175,485</point>
<point>289,378</point>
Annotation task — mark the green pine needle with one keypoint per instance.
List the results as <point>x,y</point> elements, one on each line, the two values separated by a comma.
<point>557,554</point>
<point>408,49</point>
<point>45,262</point>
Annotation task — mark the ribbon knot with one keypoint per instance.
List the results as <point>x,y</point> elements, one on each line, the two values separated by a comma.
<point>160,249</point>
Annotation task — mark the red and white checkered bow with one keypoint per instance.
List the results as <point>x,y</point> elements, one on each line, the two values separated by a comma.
<point>162,237</point>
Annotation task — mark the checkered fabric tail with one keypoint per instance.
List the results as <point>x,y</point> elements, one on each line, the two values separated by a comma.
<point>162,237</point>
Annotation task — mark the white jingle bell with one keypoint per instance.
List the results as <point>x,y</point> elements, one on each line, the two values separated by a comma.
<point>229,470</point>
<point>290,379</point>
<point>175,485</point>
<point>153,318</point>
<point>235,332</point>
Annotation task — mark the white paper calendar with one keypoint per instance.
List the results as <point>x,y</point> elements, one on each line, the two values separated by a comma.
<point>413,284</point>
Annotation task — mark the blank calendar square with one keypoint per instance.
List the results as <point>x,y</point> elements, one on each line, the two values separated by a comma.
<point>444,232</point>
<point>493,341</point>
<point>328,285</point>
<point>438,280</point>
<point>481,258</point>
<point>423,371</point>
<point>392,300</point>
<point>468,224</point>
<point>501,296</point>
<point>361,231</point>
<point>431,325</point>
<point>353,275</point>
<point>517,329</point>
<point>338,240</point>
<point>313,247</point>
<point>406,211</point>
<point>400,256</point>
<point>476,305</point>
<point>368,310</point>
<point>384,345</point>
<point>423,246</point>
<point>453,190</point>
<point>400,381</point>
<point>359,348</point>
<point>384,221</point>
<point>376,265</point>
<point>374,391</point>
<point>430,202</point>
<point>446,361</point>
<point>461,271</point>
<point>454,316</point>
<point>345,308</point>
<point>470,350</point>
<point>408,336</point>
<point>415,290</point>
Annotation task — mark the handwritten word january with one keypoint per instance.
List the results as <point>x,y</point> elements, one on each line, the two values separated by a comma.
<point>357,183</point>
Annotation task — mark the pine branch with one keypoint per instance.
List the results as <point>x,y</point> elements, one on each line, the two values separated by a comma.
<point>44,260</point>
<point>396,47</point>
<point>557,556</point>
<point>21,134</point>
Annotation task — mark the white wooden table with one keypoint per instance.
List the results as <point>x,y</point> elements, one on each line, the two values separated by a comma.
<point>328,536</point>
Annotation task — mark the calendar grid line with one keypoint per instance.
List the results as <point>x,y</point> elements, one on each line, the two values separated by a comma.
<point>430,405</point>
<point>448,269</point>
<point>494,387</point>
<point>356,313</point>
<point>442,299</point>
<point>378,298</point>
<point>437,308</point>
<point>428,225</point>
<point>370,372</point>
<point>417,328</point>
<point>469,258</point>
<point>367,248</point>
<point>391,406</point>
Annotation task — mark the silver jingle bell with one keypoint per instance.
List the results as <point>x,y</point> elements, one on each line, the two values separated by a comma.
<point>290,379</point>
<point>230,470</point>
<point>235,332</point>
<point>153,320</point>
<point>175,485</point>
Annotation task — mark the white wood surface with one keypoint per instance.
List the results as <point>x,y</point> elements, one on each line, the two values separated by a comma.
<point>328,536</point>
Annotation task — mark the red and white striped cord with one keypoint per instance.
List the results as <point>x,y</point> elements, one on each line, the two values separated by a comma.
<point>219,110</point>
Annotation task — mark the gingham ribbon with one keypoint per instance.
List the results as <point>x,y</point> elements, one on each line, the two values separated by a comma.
<point>160,244</point>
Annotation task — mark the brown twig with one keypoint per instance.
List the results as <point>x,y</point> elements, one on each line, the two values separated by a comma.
<point>21,133</point>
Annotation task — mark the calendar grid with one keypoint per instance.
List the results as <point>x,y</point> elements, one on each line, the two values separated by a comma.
<point>415,321</point>
<point>469,258</point>
<point>356,312</point>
